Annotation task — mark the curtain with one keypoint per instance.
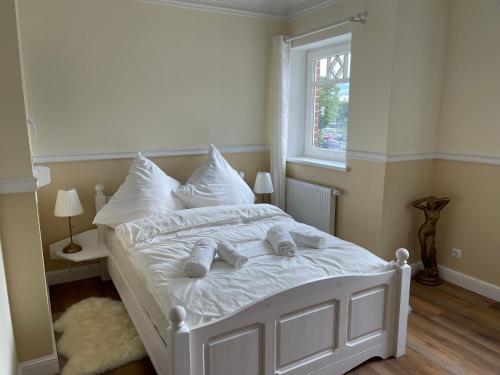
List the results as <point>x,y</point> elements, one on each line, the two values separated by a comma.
<point>279,102</point>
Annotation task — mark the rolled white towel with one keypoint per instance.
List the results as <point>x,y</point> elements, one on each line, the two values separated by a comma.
<point>230,255</point>
<point>308,239</point>
<point>201,258</point>
<point>281,241</point>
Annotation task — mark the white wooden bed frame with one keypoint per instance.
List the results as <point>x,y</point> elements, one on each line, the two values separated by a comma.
<point>323,327</point>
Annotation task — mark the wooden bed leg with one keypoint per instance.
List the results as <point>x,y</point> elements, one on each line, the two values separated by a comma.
<point>402,256</point>
<point>178,345</point>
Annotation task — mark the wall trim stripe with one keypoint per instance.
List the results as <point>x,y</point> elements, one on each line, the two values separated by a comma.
<point>471,283</point>
<point>47,365</point>
<point>8,186</point>
<point>381,157</point>
<point>174,151</point>
<point>19,185</point>
<point>480,159</point>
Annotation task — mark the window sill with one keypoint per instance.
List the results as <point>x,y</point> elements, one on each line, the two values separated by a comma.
<point>321,163</point>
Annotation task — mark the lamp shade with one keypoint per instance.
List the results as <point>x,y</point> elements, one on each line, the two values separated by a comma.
<point>67,203</point>
<point>263,183</point>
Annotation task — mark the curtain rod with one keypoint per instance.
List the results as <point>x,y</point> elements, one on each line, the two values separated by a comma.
<point>359,18</point>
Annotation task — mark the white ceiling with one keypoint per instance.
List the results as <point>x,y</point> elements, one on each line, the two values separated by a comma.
<point>270,8</point>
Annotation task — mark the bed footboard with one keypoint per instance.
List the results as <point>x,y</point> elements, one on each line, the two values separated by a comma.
<point>324,327</point>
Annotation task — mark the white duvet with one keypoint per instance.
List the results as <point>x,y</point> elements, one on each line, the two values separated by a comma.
<point>158,246</point>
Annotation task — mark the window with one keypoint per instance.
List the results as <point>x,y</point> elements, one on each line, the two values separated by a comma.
<point>327,101</point>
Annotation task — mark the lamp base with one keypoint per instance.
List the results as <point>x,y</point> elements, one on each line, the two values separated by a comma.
<point>72,248</point>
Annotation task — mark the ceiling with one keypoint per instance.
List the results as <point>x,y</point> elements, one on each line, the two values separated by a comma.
<point>269,8</point>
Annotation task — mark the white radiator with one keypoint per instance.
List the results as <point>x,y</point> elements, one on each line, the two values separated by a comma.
<point>311,204</point>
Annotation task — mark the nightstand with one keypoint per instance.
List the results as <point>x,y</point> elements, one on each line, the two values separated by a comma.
<point>92,249</point>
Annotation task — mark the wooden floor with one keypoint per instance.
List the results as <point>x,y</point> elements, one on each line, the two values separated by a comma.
<point>450,331</point>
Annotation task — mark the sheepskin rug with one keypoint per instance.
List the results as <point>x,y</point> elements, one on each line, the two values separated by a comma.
<point>97,335</point>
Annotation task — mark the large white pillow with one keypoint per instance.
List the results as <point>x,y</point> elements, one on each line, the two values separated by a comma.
<point>215,183</point>
<point>146,189</point>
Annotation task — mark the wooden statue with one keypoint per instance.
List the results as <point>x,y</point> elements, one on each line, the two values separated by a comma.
<point>432,207</point>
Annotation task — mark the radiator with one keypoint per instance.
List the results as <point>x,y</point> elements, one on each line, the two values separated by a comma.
<point>311,204</point>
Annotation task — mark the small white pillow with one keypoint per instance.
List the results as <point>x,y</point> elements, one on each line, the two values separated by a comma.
<point>215,183</point>
<point>146,189</point>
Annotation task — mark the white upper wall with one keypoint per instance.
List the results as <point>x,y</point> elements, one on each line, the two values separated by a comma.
<point>122,75</point>
<point>15,161</point>
<point>417,79</point>
<point>471,96</point>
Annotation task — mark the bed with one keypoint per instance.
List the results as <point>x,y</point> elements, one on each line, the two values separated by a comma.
<point>303,317</point>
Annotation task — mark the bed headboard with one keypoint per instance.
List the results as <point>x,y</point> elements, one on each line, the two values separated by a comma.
<point>100,200</point>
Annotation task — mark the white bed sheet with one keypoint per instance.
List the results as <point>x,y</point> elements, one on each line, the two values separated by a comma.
<point>159,245</point>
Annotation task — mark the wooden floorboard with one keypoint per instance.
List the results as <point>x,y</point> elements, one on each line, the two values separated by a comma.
<point>450,331</point>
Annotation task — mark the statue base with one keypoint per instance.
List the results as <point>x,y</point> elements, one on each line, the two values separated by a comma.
<point>425,278</point>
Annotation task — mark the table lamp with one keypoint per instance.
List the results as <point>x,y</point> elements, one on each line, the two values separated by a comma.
<point>68,205</point>
<point>263,184</point>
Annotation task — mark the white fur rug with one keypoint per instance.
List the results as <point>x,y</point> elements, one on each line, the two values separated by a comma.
<point>98,335</point>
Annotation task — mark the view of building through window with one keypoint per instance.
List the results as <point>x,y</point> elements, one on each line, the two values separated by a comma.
<point>331,102</point>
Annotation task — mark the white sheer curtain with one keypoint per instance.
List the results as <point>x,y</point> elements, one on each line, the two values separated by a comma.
<point>279,102</point>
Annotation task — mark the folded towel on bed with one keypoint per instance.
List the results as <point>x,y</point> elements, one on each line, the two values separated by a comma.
<point>201,258</point>
<point>308,239</point>
<point>230,255</point>
<point>281,241</point>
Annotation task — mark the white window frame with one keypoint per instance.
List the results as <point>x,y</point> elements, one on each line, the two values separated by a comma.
<point>309,150</point>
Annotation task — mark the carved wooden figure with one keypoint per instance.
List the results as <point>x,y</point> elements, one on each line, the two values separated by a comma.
<point>432,207</point>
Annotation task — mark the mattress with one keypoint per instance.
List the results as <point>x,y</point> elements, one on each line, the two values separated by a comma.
<point>137,283</point>
<point>158,246</point>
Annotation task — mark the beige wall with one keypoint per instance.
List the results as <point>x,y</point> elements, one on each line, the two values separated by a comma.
<point>404,183</point>
<point>472,219</point>
<point>19,229</point>
<point>123,75</point>
<point>471,112</point>
<point>25,275</point>
<point>8,356</point>
<point>84,175</point>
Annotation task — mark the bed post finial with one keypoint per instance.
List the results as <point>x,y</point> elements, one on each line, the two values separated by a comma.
<point>100,201</point>
<point>99,189</point>
<point>402,256</point>
<point>176,316</point>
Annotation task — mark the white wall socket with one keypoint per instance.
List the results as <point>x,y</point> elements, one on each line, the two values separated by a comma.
<point>456,253</point>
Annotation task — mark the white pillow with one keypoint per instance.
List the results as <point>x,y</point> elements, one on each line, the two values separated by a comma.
<point>145,190</point>
<point>215,184</point>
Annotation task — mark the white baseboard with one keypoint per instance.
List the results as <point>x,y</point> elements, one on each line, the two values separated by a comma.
<point>465,281</point>
<point>48,365</point>
<point>470,283</point>
<point>67,275</point>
